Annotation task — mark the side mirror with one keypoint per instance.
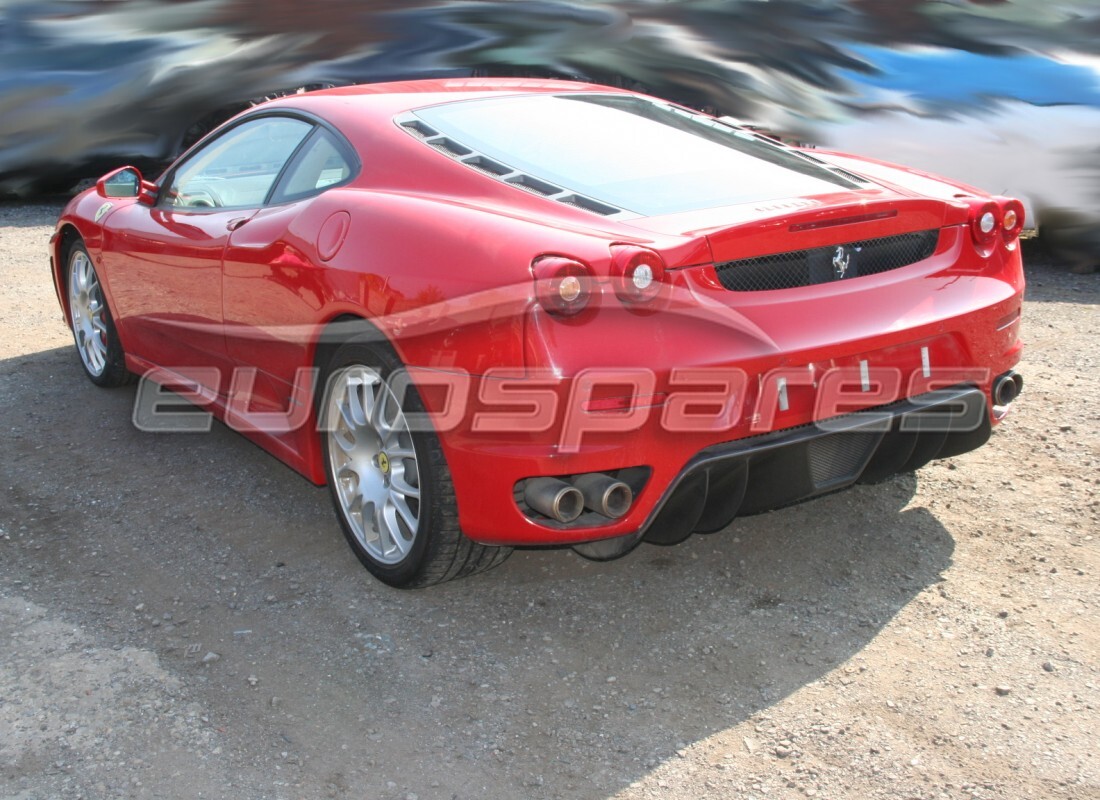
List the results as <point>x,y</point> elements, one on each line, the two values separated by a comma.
<point>127,182</point>
<point>124,182</point>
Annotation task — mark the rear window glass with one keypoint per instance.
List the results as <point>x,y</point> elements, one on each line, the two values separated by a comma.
<point>639,155</point>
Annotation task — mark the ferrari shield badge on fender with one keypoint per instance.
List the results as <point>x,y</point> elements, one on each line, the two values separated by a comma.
<point>102,210</point>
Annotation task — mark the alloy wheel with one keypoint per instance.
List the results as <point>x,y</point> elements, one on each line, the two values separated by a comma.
<point>88,317</point>
<point>373,464</point>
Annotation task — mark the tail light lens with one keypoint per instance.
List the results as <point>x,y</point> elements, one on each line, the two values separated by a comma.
<point>638,275</point>
<point>563,286</point>
<point>985,223</point>
<point>1012,219</point>
<point>1000,219</point>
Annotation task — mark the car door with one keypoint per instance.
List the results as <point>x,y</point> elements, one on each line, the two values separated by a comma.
<point>274,285</point>
<point>166,275</point>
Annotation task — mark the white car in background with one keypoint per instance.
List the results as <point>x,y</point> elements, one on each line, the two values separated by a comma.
<point>947,112</point>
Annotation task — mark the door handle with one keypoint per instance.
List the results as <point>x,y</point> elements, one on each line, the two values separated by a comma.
<point>233,224</point>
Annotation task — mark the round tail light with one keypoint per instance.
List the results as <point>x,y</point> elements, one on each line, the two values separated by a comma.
<point>638,275</point>
<point>985,223</point>
<point>563,286</point>
<point>1012,219</point>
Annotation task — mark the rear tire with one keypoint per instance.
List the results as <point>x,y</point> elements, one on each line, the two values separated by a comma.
<point>90,320</point>
<point>389,481</point>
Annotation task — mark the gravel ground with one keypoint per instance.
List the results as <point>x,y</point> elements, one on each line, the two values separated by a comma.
<point>180,617</point>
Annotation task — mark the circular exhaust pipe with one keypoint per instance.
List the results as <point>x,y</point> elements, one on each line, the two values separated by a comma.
<point>1006,388</point>
<point>604,495</point>
<point>553,498</point>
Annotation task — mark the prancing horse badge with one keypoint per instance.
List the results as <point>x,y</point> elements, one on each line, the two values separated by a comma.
<point>841,259</point>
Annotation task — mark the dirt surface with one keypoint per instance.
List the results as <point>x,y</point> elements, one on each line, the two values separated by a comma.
<point>180,617</point>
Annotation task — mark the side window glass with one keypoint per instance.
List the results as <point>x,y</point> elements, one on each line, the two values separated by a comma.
<point>321,163</point>
<point>237,170</point>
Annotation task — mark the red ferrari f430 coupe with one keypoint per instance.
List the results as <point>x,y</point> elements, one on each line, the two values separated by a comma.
<point>498,313</point>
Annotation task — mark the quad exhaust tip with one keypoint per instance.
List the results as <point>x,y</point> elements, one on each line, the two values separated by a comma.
<point>604,495</point>
<point>564,501</point>
<point>1007,388</point>
<point>553,498</point>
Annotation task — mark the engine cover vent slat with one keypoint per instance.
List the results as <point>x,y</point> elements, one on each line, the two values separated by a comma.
<point>487,165</point>
<point>449,146</point>
<point>588,204</point>
<point>502,172</point>
<point>534,185</point>
<point>849,175</point>
<point>419,128</point>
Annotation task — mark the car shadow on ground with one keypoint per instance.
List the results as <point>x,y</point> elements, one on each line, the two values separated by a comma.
<point>548,677</point>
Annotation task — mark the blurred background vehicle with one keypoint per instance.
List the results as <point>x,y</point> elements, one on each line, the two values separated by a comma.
<point>1002,94</point>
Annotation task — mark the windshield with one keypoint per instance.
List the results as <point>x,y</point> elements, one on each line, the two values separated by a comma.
<point>638,155</point>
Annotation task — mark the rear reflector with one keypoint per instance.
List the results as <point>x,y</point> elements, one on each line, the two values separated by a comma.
<point>625,403</point>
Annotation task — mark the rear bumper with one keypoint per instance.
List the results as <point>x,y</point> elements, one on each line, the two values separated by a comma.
<point>696,485</point>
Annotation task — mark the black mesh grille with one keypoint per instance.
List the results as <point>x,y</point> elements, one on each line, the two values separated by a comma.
<point>839,457</point>
<point>827,264</point>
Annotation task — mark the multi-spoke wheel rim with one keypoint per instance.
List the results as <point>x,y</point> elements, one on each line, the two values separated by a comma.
<point>88,312</point>
<point>373,464</point>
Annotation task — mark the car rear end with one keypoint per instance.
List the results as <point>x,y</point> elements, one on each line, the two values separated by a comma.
<point>727,349</point>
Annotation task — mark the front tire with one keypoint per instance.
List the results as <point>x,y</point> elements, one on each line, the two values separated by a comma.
<point>389,480</point>
<point>90,320</point>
